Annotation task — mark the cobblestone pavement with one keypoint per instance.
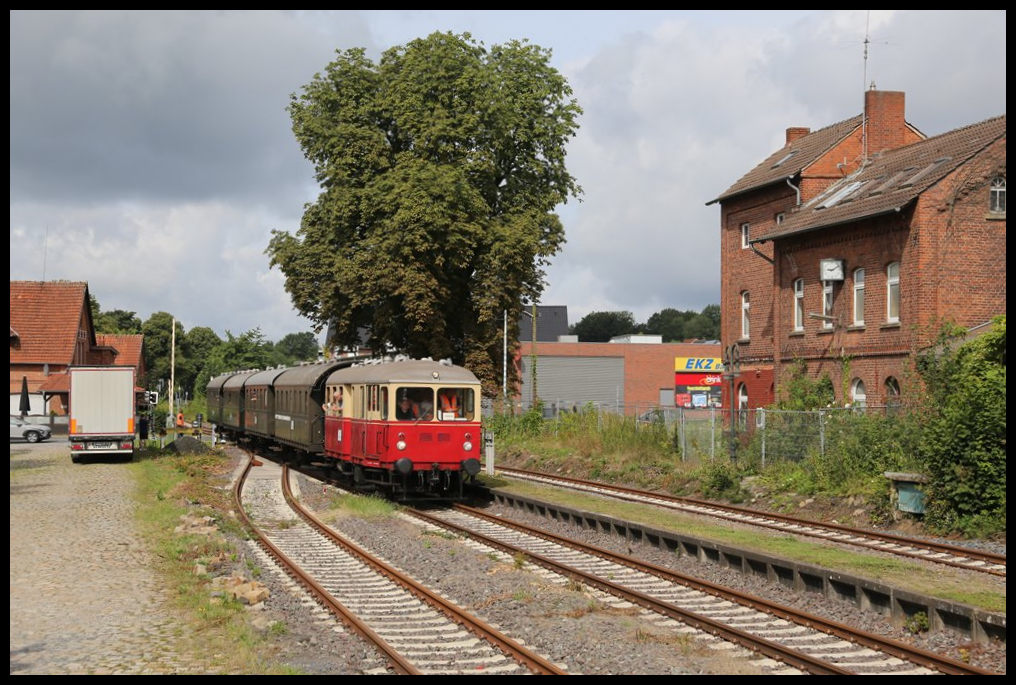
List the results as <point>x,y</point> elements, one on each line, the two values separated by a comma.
<point>84,599</point>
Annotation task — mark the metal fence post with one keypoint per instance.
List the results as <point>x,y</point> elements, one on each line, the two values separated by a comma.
<point>712,433</point>
<point>821,433</point>
<point>682,435</point>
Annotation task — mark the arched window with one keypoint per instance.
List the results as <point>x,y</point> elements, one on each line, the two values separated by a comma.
<point>742,406</point>
<point>892,396</point>
<point>745,324</point>
<point>892,308</point>
<point>799,304</point>
<point>859,297</point>
<point>858,394</point>
<point>996,199</point>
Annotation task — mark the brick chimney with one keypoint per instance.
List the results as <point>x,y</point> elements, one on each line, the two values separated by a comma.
<point>885,126</point>
<point>795,132</point>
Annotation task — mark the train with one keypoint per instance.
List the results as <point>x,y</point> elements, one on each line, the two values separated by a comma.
<point>406,428</point>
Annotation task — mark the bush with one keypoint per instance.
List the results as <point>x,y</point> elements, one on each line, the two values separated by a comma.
<point>964,443</point>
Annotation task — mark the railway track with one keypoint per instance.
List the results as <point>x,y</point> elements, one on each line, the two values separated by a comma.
<point>417,631</point>
<point>940,553</point>
<point>801,642</point>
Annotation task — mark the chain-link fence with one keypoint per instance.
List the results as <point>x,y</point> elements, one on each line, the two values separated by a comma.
<point>704,434</point>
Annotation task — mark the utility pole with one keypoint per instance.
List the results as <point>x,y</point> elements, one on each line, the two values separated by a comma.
<point>504,366</point>
<point>731,371</point>
<point>532,349</point>
<point>172,370</point>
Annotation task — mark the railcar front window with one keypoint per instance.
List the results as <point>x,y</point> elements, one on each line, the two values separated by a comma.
<point>414,404</point>
<point>455,404</point>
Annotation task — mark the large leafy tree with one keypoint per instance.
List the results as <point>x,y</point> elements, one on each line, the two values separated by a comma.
<point>675,325</point>
<point>114,321</point>
<point>199,343</point>
<point>249,350</point>
<point>440,168</point>
<point>158,332</point>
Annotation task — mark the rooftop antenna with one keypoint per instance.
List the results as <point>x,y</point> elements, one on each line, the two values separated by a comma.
<point>864,84</point>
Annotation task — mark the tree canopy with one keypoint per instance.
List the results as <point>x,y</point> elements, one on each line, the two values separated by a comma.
<point>602,326</point>
<point>673,325</point>
<point>440,168</point>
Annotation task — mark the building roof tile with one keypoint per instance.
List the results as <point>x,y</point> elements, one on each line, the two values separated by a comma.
<point>46,316</point>
<point>890,181</point>
<point>792,158</point>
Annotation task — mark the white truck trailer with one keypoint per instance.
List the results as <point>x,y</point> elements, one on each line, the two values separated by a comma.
<point>102,409</point>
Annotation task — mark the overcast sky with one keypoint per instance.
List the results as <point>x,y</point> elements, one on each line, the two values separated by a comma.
<point>151,152</point>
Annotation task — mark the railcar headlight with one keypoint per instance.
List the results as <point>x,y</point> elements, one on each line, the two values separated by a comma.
<point>400,445</point>
<point>467,446</point>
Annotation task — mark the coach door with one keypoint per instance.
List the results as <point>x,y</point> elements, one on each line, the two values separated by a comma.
<point>376,429</point>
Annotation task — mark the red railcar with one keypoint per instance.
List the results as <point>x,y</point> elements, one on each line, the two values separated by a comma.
<point>409,427</point>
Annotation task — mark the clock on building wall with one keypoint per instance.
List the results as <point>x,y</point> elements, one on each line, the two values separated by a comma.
<point>830,269</point>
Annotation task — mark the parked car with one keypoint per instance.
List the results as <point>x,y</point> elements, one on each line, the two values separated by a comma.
<point>22,430</point>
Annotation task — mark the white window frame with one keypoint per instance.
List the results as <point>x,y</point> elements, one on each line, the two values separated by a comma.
<point>858,300</point>
<point>827,304</point>
<point>780,216</point>
<point>799,304</point>
<point>892,292</point>
<point>745,228</point>
<point>858,394</point>
<point>996,196</point>
<point>892,395</point>
<point>745,320</point>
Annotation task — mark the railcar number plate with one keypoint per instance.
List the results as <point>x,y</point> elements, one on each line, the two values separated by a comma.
<point>100,445</point>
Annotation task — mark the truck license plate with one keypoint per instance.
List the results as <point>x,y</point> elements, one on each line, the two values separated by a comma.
<point>100,445</point>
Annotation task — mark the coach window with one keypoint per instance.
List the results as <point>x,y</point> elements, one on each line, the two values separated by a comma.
<point>893,293</point>
<point>384,403</point>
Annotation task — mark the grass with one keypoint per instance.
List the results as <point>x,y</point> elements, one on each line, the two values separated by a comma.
<point>169,486</point>
<point>976,592</point>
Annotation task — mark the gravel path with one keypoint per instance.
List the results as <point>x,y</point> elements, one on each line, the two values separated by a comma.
<point>84,596</point>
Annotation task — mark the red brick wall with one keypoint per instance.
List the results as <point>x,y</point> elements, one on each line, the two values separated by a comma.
<point>952,267</point>
<point>647,367</point>
<point>961,245</point>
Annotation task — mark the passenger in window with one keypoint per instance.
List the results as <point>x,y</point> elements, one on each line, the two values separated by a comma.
<point>449,404</point>
<point>407,409</point>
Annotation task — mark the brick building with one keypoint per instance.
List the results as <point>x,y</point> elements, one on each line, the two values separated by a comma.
<point>629,377</point>
<point>848,247</point>
<point>51,330</point>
